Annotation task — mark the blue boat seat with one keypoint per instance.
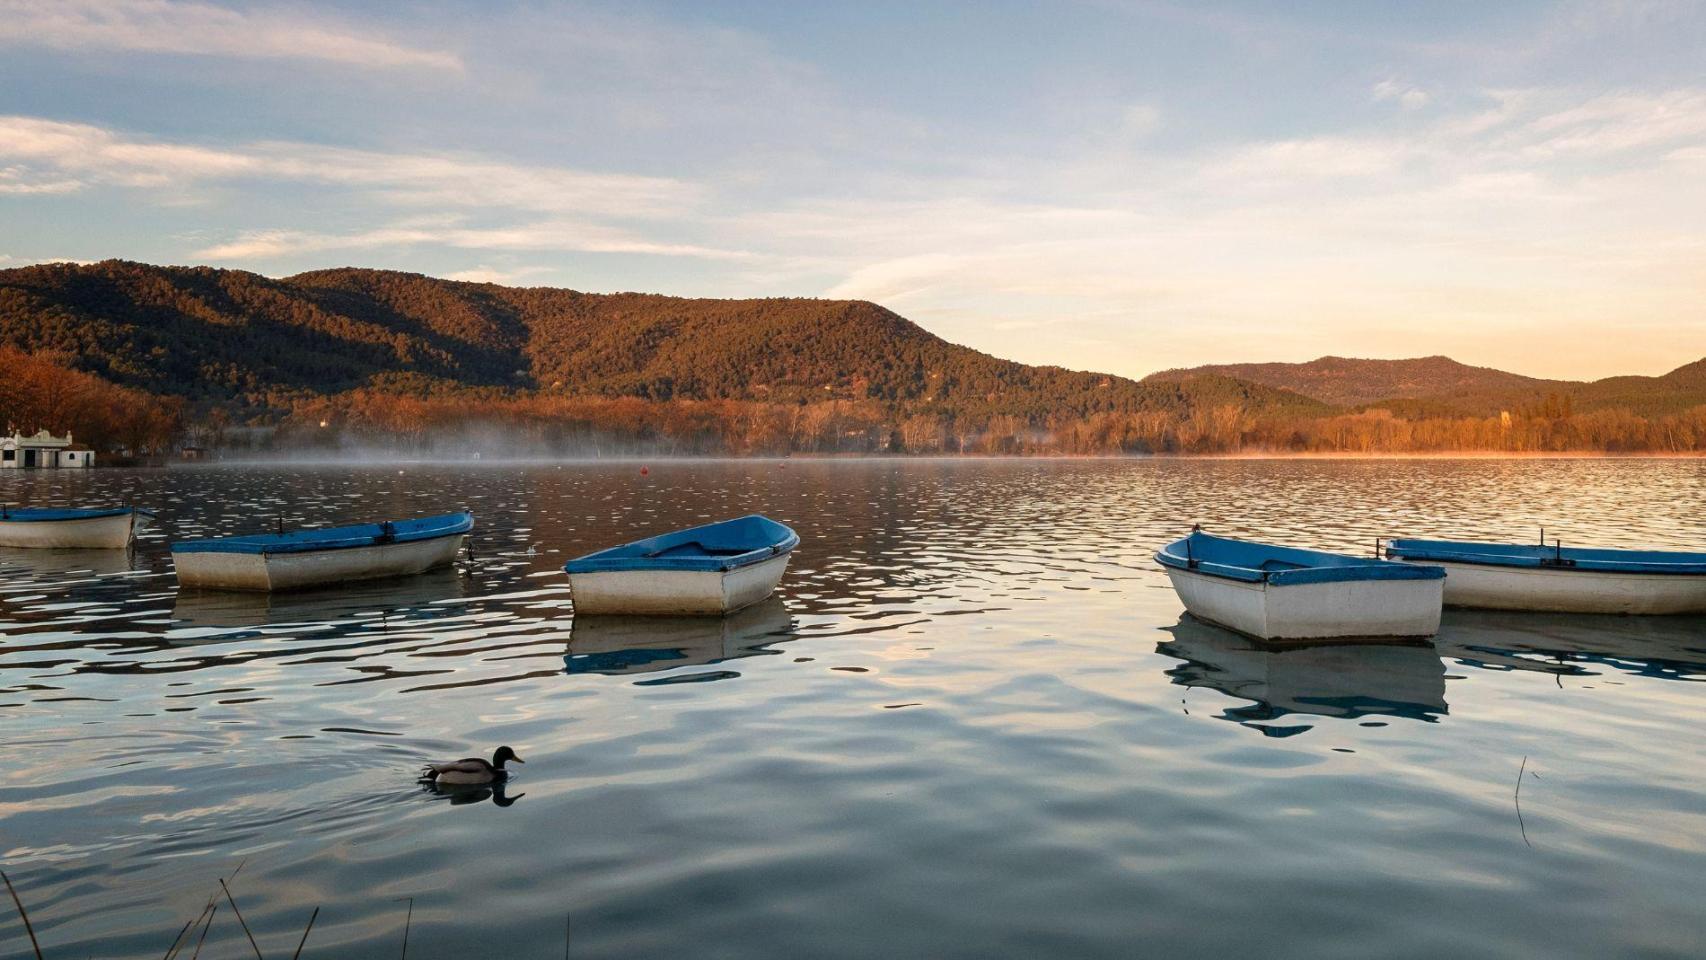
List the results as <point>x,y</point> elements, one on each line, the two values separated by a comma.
<point>694,548</point>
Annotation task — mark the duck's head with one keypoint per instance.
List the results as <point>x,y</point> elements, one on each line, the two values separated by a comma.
<point>504,755</point>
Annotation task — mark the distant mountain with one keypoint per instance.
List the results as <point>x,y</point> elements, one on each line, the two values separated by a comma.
<point>1346,381</point>
<point>138,355</point>
<point>231,337</point>
<point>1678,390</point>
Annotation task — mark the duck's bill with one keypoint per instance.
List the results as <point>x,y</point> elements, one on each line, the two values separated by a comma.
<point>518,760</point>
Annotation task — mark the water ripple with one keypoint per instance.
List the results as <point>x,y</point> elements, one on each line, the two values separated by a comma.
<point>974,724</point>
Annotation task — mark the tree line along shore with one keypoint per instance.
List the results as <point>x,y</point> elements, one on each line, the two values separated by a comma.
<point>124,422</point>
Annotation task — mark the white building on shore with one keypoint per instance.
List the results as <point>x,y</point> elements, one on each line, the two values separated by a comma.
<point>44,451</point>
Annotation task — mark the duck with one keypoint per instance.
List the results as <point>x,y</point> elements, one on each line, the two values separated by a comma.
<point>471,769</point>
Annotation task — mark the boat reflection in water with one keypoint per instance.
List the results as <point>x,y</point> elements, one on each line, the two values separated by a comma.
<point>58,567</point>
<point>1345,680</point>
<point>372,603</point>
<point>1575,644</point>
<point>624,645</point>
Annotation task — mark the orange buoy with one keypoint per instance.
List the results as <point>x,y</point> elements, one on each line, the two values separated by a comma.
<point>644,471</point>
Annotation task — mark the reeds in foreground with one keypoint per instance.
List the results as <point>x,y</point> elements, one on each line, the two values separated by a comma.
<point>202,921</point>
<point>22,914</point>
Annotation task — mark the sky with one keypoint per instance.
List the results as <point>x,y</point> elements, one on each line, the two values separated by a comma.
<point>1115,185</point>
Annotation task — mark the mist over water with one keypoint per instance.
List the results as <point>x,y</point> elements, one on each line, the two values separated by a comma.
<point>446,443</point>
<point>973,724</point>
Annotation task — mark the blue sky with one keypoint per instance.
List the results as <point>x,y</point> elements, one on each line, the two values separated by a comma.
<point>1119,185</point>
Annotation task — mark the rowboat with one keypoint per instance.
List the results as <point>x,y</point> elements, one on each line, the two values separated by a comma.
<point>1284,593</point>
<point>711,570</point>
<point>312,558</point>
<point>1560,579</point>
<point>71,528</point>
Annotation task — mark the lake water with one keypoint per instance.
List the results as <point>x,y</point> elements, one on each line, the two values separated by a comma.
<point>973,725</point>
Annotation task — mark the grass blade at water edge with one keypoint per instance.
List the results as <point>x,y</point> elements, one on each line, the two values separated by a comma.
<point>240,922</point>
<point>22,914</point>
<point>311,918</point>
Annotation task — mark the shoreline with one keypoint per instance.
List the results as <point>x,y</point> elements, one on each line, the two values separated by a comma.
<point>782,459</point>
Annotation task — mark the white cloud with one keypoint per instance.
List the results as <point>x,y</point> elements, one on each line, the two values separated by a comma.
<point>1618,122</point>
<point>489,274</point>
<point>18,180</point>
<point>1408,97</point>
<point>475,181</point>
<point>1306,159</point>
<point>45,153</point>
<point>48,155</point>
<point>557,235</point>
<point>171,26</point>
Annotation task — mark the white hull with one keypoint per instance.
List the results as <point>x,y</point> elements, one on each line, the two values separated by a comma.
<point>312,568</point>
<point>1312,611</point>
<point>1552,589</point>
<point>93,533</point>
<point>675,592</point>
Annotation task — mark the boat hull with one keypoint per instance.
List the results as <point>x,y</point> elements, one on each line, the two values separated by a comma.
<point>1565,590</point>
<point>1312,611</point>
<point>676,592</point>
<point>300,570</point>
<point>113,532</point>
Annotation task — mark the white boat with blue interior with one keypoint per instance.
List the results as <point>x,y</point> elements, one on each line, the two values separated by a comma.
<point>71,528</point>
<point>315,558</point>
<point>1285,593</point>
<point>711,570</point>
<point>1555,578</point>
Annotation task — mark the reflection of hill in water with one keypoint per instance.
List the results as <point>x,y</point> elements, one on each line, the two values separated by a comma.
<point>1660,648</point>
<point>367,601</point>
<point>1345,680</point>
<point>614,645</point>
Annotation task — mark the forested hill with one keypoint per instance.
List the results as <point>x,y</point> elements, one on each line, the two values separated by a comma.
<point>230,337</point>
<point>137,358</point>
<point>1351,382</point>
<point>1435,387</point>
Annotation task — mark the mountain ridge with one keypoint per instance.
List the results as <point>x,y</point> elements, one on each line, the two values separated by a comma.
<point>1355,381</point>
<point>1440,386</point>
<point>404,357</point>
<point>224,336</point>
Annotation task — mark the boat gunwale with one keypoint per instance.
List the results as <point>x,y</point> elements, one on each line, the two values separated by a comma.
<point>326,539</point>
<point>1541,557</point>
<point>66,514</point>
<point>1309,566</point>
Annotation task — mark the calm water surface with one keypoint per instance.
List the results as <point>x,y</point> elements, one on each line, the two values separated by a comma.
<point>973,725</point>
